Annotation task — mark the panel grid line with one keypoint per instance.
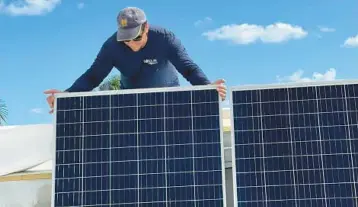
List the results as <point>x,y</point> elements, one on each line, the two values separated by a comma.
<point>165,154</point>
<point>192,133</point>
<point>110,150</point>
<point>308,127</point>
<point>292,149</point>
<point>144,119</point>
<point>263,151</point>
<point>82,149</point>
<point>350,142</point>
<point>138,154</point>
<point>128,107</point>
<point>159,131</point>
<point>321,149</point>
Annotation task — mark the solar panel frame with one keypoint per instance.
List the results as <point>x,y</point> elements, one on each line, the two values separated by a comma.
<point>138,91</point>
<point>288,85</point>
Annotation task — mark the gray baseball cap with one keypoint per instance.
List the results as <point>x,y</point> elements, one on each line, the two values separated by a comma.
<point>130,21</point>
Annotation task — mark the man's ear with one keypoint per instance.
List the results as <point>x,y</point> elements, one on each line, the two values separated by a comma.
<point>146,27</point>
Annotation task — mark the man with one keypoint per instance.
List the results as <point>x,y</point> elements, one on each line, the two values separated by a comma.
<point>146,56</point>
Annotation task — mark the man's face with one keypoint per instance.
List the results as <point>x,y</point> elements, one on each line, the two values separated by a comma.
<point>140,41</point>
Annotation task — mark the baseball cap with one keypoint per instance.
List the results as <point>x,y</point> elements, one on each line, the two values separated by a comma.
<point>130,21</point>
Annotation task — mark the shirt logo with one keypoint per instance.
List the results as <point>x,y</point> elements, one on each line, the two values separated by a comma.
<point>150,61</point>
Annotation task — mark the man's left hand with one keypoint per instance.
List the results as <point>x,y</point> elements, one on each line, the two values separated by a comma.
<point>221,88</point>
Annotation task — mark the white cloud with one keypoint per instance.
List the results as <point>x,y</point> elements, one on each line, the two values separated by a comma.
<point>251,33</point>
<point>80,5</point>
<point>28,7</point>
<point>351,42</point>
<point>297,76</point>
<point>326,29</point>
<point>204,21</point>
<point>36,110</point>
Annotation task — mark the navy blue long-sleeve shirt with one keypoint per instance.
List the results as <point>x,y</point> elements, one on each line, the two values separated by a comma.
<point>155,65</point>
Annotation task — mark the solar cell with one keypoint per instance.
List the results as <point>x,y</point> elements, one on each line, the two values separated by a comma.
<point>295,144</point>
<point>147,147</point>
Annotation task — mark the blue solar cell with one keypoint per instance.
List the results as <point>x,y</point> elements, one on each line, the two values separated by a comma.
<point>150,148</point>
<point>296,146</point>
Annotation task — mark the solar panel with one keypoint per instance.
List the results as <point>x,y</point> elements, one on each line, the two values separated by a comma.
<point>296,145</point>
<point>146,147</point>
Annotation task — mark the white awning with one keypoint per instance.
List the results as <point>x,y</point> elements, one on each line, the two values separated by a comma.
<point>24,147</point>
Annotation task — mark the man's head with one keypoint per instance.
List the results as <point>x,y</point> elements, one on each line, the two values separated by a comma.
<point>132,28</point>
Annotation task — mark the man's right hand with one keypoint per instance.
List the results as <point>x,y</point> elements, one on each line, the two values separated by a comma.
<point>51,98</point>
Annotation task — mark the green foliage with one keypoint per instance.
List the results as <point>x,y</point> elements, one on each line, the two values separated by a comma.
<point>112,83</point>
<point>3,112</point>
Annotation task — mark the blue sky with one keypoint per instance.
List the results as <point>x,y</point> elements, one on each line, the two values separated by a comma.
<point>49,43</point>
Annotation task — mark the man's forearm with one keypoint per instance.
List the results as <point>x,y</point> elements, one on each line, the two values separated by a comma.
<point>184,64</point>
<point>195,76</point>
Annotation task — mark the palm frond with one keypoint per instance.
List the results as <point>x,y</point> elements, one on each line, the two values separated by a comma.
<point>3,112</point>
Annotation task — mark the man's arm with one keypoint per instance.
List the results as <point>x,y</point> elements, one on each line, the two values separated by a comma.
<point>184,64</point>
<point>99,69</point>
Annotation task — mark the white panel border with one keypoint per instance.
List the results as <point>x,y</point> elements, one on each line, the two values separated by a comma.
<point>293,85</point>
<point>137,91</point>
<point>263,87</point>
